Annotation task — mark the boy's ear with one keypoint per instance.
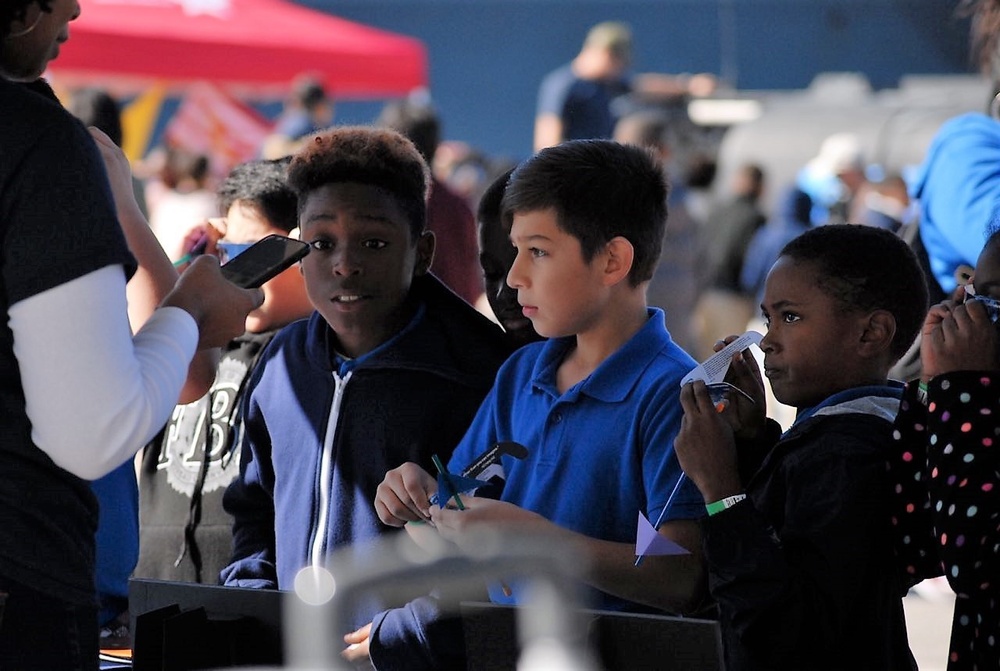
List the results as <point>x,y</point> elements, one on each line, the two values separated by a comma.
<point>425,253</point>
<point>878,332</point>
<point>619,255</point>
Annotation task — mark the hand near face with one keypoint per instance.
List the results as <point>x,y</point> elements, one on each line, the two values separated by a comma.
<point>958,337</point>
<point>746,417</point>
<point>706,445</point>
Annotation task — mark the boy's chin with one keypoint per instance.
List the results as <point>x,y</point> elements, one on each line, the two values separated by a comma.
<point>784,395</point>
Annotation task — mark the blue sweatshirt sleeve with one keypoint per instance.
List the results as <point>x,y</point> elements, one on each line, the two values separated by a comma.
<point>420,636</point>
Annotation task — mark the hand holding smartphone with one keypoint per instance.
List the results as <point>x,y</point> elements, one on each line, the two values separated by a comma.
<point>264,260</point>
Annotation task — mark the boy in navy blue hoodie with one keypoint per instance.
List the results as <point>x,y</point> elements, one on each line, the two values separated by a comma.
<point>797,538</point>
<point>390,368</point>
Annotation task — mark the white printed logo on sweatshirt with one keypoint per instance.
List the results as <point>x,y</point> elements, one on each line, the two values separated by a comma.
<point>183,451</point>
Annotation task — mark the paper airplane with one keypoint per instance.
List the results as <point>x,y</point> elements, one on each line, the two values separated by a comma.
<point>650,542</point>
<point>714,368</point>
<point>451,485</point>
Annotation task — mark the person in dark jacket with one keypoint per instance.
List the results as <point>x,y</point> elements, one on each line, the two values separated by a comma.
<point>797,538</point>
<point>390,368</point>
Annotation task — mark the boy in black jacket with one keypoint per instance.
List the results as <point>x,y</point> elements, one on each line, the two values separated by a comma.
<point>797,539</point>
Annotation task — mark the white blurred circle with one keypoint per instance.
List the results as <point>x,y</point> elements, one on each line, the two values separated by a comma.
<point>315,585</point>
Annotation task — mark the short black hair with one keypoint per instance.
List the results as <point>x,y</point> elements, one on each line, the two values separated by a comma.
<point>867,268</point>
<point>992,234</point>
<point>600,189</point>
<point>490,213</point>
<point>263,185</point>
<point>419,122</point>
<point>379,157</point>
<point>96,107</point>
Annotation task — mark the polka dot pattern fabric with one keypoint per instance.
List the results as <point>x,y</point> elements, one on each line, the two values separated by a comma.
<point>944,472</point>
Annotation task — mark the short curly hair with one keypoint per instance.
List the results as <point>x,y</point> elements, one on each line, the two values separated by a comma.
<point>14,10</point>
<point>867,268</point>
<point>367,155</point>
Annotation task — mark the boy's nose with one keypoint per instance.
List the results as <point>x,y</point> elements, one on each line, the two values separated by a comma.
<point>767,342</point>
<point>515,278</point>
<point>346,264</point>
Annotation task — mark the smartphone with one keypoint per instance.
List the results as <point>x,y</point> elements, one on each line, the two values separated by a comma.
<point>265,259</point>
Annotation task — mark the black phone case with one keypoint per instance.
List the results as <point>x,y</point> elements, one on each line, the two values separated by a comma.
<point>268,257</point>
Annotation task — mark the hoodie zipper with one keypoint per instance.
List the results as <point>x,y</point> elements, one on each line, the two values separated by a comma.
<point>317,557</point>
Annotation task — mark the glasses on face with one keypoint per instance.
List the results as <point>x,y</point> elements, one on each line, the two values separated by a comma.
<point>230,250</point>
<point>991,304</point>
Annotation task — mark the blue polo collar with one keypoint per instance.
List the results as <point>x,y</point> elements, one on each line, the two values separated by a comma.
<point>612,381</point>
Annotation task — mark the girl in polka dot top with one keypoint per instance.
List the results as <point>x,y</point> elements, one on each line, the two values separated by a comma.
<point>946,468</point>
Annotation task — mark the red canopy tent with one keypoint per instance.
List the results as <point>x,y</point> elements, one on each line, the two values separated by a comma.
<point>249,44</point>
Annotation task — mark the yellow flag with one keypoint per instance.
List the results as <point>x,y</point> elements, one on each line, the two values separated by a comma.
<point>139,120</point>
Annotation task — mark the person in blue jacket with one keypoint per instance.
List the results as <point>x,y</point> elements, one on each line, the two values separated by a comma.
<point>957,187</point>
<point>389,368</point>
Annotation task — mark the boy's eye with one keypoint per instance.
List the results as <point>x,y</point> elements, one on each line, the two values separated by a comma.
<point>321,245</point>
<point>537,253</point>
<point>374,244</point>
<point>790,317</point>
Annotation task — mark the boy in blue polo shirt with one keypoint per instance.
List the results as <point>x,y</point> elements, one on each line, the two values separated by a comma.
<point>596,404</point>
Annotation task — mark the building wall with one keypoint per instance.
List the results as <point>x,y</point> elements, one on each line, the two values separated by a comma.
<point>487,56</point>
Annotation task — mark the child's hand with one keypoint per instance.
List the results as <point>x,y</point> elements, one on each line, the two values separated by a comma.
<point>482,514</point>
<point>356,651</point>
<point>705,445</point>
<point>746,417</point>
<point>959,337</point>
<point>932,322</point>
<point>200,239</point>
<point>403,495</point>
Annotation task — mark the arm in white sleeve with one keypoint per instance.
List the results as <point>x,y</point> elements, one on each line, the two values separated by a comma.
<point>95,394</point>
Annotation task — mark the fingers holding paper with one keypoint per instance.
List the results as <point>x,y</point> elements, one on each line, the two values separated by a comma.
<point>404,495</point>
<point>706,445</point>
<point>482,515</point>
<point>735,383</point>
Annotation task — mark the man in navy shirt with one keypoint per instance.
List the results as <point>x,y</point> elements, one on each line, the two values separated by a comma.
<point>582,99</point>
